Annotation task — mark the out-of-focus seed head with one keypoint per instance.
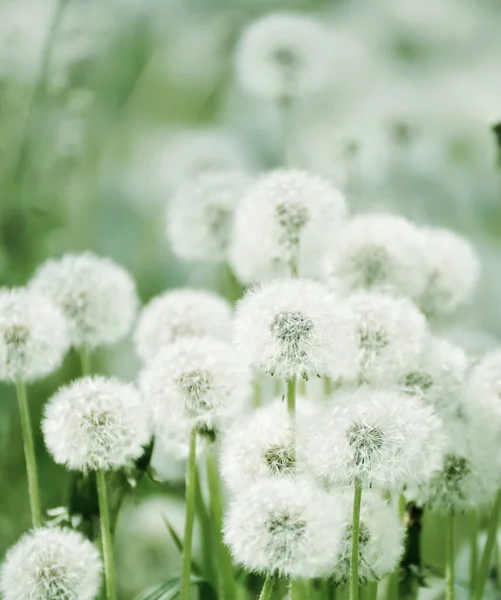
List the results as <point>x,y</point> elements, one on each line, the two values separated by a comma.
<point>33,335</point>
<point>179,314</point>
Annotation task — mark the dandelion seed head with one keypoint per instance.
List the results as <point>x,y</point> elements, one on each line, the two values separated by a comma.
<point>96,423</point>
<point>261,445</point>
<point>286,221</point>
<point>196,382</point>
<point>378,253</point>
<point>381,537</point>
<point>50,563</point>
<point>96,295</point>
<point>391,335</point>
<point>296,327</point>
<point>284,527</point>
<point>380,438</point>
<point>452,272</point>
<point>200,215</point>
<point>283,55</point>
<point>33,335</point>
<point>178,314</point>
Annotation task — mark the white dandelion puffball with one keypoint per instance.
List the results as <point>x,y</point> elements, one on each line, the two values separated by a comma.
<point>96,423</point>
<point>439,378</point>
<point>50,563</point>
<point>391,335</point>
<point>296,328</point>
<point>200,215</point>
<point>469,474</point>
<point>378,252</point>
<point>380,539</point>
<point>484,389</point>
<point>284,55</point>
<point>262,445</point>
<point>201,381</point>
<point>97,296</point>
<point>453,271</point>
<point>178,314</point>
<point>286,222</point>
<point>33,335</point>
<point>379,438</point>
<point>285,527</point>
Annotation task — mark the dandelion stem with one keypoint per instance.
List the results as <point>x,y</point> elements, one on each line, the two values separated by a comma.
<point>473,550</point>
<point>206,533</point>
<point>267,590</point>
<point>291,397</point>
<point>485,561</point>
<point>29,454</point>
<point>216,509</point>
<point>295,590</point>
<point>449,557</point>
<point>355,530</point>
<point>191,474</point>
<point>107,542</point>
<point>373,586</point>
<point>85,366</point>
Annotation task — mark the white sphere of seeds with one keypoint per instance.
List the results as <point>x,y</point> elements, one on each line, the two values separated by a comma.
<point>200,215</point>
<point>97,296</point>
<point>33,335</point>
<point>283,55</point>
<point>285,527</point>
<point>96,423</point>
<point>296,328</point>
<point>50,563</point>
<point>287,222</point>
<point>177,314</point>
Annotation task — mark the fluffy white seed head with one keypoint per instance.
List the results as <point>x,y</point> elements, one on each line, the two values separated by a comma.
<point>97,296</point>
<point>283,55</point>
<point>51,563</point>
<point>285,527</point>
<point>200,215</point>
<point>391,335</point>
<point>178,314</point>
<point>452,272</point>
<point>378,253</point>
<point>286,222</point>
<point>196,382</point>
<point>262,445</point>
<point>296,327</point>
<point>381,537</point>
<point>33,335</point>
<point>469,474</point>
<point>439,378</point>
<point>484,391</point>
<point>379,437</point>
<point>96,423</point>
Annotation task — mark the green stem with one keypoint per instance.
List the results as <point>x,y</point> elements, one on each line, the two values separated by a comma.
<point>473,550</point>
<point>29,454</point>
<point>295,590</point>
<point>355,532</point>
<point>485,561</point>
<point>449,557</point>
<point>85,366</point>
<point>267,590</point>
<point>104,517</point>
<point>291,397</point>
<point>191,474</point>
<point>216,509</point>
<point>373,587</point>
<point>206,535</point>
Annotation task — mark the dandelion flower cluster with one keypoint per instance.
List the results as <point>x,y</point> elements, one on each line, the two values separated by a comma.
<point>33,335</point>
<point>286,222</point>
<point>97,296</point>
<point>96,423</point>
<point>178,314</point>
<point>51,563</point>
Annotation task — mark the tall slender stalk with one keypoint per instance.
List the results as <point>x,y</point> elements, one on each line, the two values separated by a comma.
<point>206,534</point>
<point>473,550</point>
<point>191,474</point>
<point>267,590</point>
<point>228,586</point>
<point>84,354</point>
<point>107,541</point>
<point>295,590</point>
<point>373,588</point>
<point>291,397</point>
<point>355,533</point>
<point>449,557</point>
<point>485,561</point>
<point>29,454</point>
